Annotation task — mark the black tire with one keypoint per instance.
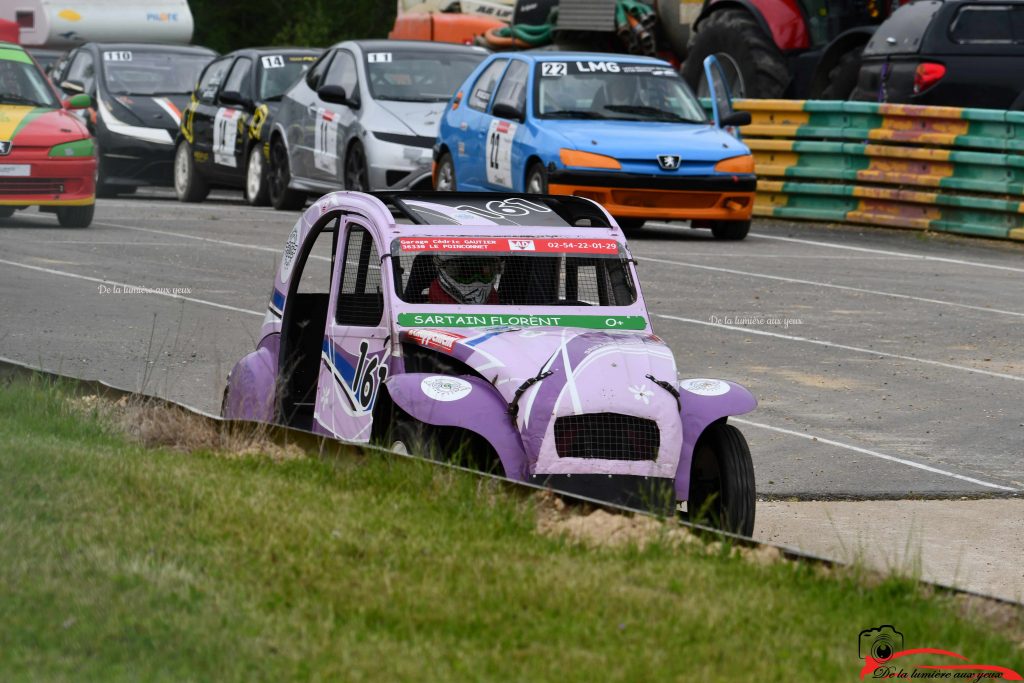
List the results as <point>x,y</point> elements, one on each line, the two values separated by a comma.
<point>189,185</point>
<point>278,176</point>
<point>357,175</point>
<point>444,180</point>
<point>734,32</point>
<point>6,211</point>
<point>536,179</point>
<point>75,216</point>
<point>256,192</point>
<point>730,230</point>
<point>630,224</point>
<point>842,78</point>
<point>410,437</point>
<point>722,490</point>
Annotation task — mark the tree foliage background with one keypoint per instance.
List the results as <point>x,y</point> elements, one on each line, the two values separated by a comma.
<point>226,25</point>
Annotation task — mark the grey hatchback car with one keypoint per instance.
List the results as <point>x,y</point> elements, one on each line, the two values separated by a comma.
<point>364,117</point>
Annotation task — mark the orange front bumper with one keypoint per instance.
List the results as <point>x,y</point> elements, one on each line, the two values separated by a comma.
<point>666,204</point>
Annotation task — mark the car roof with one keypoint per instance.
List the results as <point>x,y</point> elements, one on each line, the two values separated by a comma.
<point>396,45</point>
<point>142,47</point>
<point>12,46</point>
<point>554,56</point>
<point>271,50</point>
<point>446,208</point>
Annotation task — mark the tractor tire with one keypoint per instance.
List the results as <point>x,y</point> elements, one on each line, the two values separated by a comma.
<point>734,33</point>
<point>842,78</point>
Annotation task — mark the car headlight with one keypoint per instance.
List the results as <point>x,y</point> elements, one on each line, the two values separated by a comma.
<point>76,149</point>
<point>573,157</point>
<point>742,164</point>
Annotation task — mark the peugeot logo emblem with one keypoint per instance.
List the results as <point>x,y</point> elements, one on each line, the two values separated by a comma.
<point>669,162</point>
<point>5,147</point>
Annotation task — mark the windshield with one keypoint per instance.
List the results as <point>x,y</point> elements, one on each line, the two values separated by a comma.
<point>137,72</point>
<point>614,90</point>
<point>21,83</point>
<point>499,271</point>
<point>280,71</point>
<point>418,75</point>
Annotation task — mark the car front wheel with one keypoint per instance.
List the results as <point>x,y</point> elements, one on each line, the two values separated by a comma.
<point>188,184</point>
<point>256,177</point>
<point>75,216</point>
<point>722,491</point>
<point>730,230</point>
<point>445,180</point>
<point>537,179</point>
<point>357,178</point>
<point>278,177</point>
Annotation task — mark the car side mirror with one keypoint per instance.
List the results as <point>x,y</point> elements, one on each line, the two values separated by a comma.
<point>507,111</point>
<point>737,118</point>
<point>335,94</point>
<point>72,87</point>
<point>235,97</point>
<point>79,101</point>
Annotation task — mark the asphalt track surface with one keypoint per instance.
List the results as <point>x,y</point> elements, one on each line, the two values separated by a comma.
<point>888,364</point>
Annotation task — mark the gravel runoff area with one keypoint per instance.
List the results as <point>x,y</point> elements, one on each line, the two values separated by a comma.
<point>889,364</point>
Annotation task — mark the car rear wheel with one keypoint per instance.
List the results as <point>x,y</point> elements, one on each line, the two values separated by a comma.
<point>278,177</point>
<point>730,230</point>
<point>445,180</point>
<point>75,216</point>
<point>188,184</point>
<point>722,491</point>
<point>357,178</point>
<point>256,177</point>
<point>630,224</point>
<point>409,437</point>
<point>537,179</point>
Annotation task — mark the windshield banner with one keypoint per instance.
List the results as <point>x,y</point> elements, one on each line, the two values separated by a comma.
<point>590,322</point>
<point>555,69</point>
<point>500,244</point>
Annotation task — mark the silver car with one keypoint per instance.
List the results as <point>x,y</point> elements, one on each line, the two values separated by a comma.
<point>364,117</point>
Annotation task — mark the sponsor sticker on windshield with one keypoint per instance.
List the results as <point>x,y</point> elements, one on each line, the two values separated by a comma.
<point>378,57</point>
<point>272,62</point>
<point>500,244</point>
<point>590,322</point>
<point>119,56</point>
<point>587,67</point>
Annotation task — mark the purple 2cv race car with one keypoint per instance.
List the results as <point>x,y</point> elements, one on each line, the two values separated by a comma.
<point>510,327</point>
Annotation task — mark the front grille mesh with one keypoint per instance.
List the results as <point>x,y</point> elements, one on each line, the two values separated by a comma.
<point>607,436</point>
<point>13,186</point>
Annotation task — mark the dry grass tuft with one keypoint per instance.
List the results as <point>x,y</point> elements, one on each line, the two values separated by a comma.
<point>1003,617</point>
<point>157,425</point>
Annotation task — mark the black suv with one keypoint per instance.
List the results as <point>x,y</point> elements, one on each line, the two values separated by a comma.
<point>959,53</point>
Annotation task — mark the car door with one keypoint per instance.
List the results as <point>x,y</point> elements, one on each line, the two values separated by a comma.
<point>234,106</point>
<point>355,358</point>
<point>334,121</point>
<point>470,162</point>
<point>199,118</point>
<point>298,116</point>
<point>502,152</point>
<point>721,100</point>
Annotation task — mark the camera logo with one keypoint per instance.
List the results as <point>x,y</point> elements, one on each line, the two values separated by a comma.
<point>880,643</point>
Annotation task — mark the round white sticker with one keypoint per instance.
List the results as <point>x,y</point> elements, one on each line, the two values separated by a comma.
<point>705,387</point>
<point>442,388</point>
<point>291,248</point>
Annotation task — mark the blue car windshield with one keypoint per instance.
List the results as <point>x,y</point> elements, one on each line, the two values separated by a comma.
<point>622,91</point>
<point>418,75</point>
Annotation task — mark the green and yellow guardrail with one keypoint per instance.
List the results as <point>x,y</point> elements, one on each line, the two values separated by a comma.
<point>930,168</point>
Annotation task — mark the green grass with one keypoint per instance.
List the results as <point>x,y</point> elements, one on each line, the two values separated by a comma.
<point>124,563</point>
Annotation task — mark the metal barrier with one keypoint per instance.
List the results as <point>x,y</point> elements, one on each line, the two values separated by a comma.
<point>930,168</point>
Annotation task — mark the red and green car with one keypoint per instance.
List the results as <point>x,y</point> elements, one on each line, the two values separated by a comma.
<point>47,157</point>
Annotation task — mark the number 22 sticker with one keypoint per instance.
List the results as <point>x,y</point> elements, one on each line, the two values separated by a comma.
<point>552,69</point>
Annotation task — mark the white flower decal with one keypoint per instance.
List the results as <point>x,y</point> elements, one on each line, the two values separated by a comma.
<point>642,393</point>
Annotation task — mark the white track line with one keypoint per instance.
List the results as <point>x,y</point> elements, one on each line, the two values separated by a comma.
<point>833,345</point>
<point>876,454</point>
<point>831,286</point>
<point>886,252</point>
<point>153,291</point>
<point>169,233</point>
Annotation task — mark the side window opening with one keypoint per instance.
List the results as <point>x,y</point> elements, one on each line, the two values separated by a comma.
<point>343,73</point>
<point>238,79</point>
<point>316,74</point>
<point>484,86</point>
<point>83,71</point>
<point>209,82</point>
<point>361,294</point>
<point>513,86</point>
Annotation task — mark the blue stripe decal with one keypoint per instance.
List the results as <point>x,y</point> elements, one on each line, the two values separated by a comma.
<point>480,340</point>
<point>339,363</point>
<point>277,300</point>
